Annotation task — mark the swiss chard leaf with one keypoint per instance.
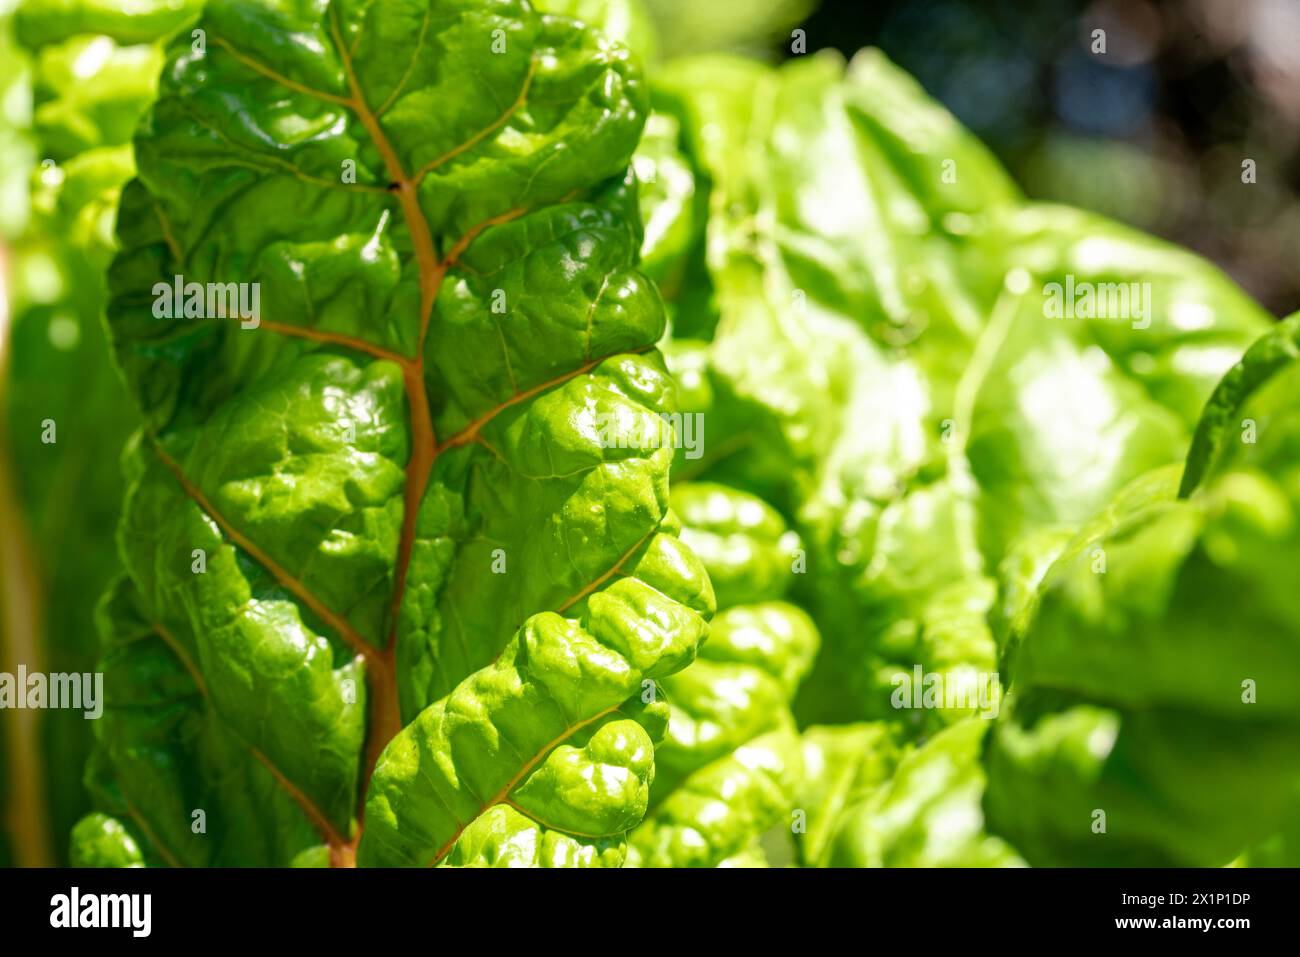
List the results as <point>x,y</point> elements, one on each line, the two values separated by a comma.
<point>842,765</point>
<point>414,511</point>
<point>1248,421</point>
<point>728,770</point>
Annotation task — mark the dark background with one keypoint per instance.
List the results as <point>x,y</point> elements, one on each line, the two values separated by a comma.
<point>1153,132</point>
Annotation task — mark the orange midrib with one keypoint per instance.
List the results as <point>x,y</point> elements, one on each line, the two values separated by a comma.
<point>384,704</point>
<point>470,432</point>
<point>381,677</point>
<point>140,822</point>
<point>613,570</point>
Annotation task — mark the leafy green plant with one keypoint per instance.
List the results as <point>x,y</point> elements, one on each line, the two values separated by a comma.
<point>384,521</point>
<point>729,769</point>
<point>866,314</point>
<point>1164,691</point>
<point>404,582</point>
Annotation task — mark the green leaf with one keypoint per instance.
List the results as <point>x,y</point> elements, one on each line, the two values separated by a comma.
<point>503,837</point>
<point>555,729</point>
<point>1250,403</point>
<point>1155,673</point>
<point>877,359</point>
<point>740,538</point>
<point>713,815</point>
<point>1185,323</point>
<point>727,770</point>
<point>842,765</point>
<point>100,841</point>
<point>41,22</point>
<point>78,109</point>
<point>667,199</point>
<point>627,21</point>
<point>928,814</point>
<point>821,412</point>
<point>197,790</point>
<point>445,425</point>
<point>1063,411</point>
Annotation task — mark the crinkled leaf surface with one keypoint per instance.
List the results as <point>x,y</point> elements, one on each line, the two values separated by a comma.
<point>164,751</point>
<point>727,771</point>
<point>418,505</point>
<point>880,350</point>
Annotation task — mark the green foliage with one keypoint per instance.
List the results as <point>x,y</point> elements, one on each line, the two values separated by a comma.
<point>928,814</point>
<point>843,764</point>
<point>849,363</point>
<point>873,323</point>
<point>403,580</point>
<point>1158,678</point>
<point>416,511</point>
<point>730,766</point>
<point>100,841</point>
<point>83,74</point>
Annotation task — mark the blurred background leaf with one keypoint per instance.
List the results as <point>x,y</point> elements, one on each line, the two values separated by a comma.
<point>69,101</point>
